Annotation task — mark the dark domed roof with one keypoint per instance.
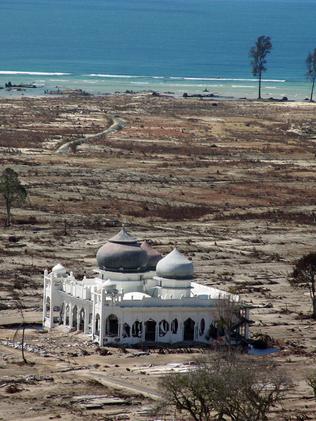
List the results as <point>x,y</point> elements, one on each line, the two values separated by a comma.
<point>122,253</point>
<point>123,237</point>
<point>153,255</point>
<point>175,266</point>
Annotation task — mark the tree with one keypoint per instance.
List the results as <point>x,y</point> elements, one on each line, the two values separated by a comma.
<point>224,388</point>
<point>258,55</point>
<point>304,275</point>
<point>311,71</point>
<point>13,192</point>
<point>17,298</point>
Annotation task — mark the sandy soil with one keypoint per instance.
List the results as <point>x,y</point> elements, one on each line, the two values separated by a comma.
<point>231,183</point>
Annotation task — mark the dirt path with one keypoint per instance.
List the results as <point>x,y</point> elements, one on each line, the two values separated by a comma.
<point>107,380</point>
<point>117,124</point>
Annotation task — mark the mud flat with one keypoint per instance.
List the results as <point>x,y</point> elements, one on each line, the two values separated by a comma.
<point>233,184</point>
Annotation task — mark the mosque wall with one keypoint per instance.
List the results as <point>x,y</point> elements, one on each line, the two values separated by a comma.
<point>134,304</point>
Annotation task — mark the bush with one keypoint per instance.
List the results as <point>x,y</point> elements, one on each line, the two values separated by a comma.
<point>224,388</point>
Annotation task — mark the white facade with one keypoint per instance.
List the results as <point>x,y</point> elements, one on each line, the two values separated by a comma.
<point>130,305</point>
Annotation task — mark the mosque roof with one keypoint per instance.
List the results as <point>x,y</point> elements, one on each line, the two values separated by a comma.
<point>59,268</point>
<point>123,237</point>
<point>175,266</point>
<point>153,255</point>
<point>122,253</point>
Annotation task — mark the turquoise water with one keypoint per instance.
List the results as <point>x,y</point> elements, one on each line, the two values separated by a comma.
<point>166,45</point>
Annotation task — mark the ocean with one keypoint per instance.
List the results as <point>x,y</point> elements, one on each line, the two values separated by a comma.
<point>173,46</point>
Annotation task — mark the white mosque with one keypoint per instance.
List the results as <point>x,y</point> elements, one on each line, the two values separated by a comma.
<point>138,296</point>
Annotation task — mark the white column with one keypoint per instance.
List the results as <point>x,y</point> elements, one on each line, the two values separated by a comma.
<point>78,318</point>
<point>51,313</point>
<point>86,321</point>
<point>65,313</point>
<point>44,298</point>
<point>102,318</point>
<point>93,313</point>
<point>143,320</point>
<point>70,315</point>
<point>121,330</point>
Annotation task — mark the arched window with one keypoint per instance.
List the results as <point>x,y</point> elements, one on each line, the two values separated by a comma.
<point>137,329</point>
<point>174,326</point>
<point>188,331</point>
<point>126,332</point>
<point>150,330</point>
<point>67,313</point>
<point>111,325</point>
<point>202,327</point>
<point>97,324</point>
<point>81,319</point>
<point>74,317</point>
<point>163,327</point>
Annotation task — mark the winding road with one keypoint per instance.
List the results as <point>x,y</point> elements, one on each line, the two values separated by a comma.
<point>117,124</point>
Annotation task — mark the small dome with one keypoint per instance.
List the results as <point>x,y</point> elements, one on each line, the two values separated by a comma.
<point>153,255</point>
<point>175,266</point>
<point>122,253</point>
<point>59,269</point>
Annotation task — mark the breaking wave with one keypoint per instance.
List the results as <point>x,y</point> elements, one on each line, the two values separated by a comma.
<point>188,78</point>
<point>14,72</point>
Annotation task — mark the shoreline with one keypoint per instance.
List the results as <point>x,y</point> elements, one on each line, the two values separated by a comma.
<point>161,95</point>
<point>35,84</point>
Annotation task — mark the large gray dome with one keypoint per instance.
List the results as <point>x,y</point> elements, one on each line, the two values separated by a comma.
<point>122,253</point>
<point>175,266</point>
<point>153,255</point>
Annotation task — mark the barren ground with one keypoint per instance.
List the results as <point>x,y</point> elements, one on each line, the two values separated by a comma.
<point>231,183</point>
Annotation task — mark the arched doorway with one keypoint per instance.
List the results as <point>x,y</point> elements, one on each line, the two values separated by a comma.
<point>97,324</point>
<point>81,319</point>
<point>150,331</point>
<point>188,330</point>
<point>137,329</point>
<point>126,333</point>
<point>163,327</point>
<point>111,325</point>
<point>202,327</point>
<point>174,326</point>
<point>62,314</point>
<point>67,313</point>
<point>90,323</point>
<point>74,317</point>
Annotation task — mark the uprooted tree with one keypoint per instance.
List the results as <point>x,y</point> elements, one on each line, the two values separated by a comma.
<point>12,191</point>
<point>304,275</point>
<point>224,387</point>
